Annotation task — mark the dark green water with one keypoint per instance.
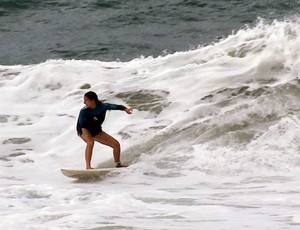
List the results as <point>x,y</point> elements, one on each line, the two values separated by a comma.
<point>37,30</point>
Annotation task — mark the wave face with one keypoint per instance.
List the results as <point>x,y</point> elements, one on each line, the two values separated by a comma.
<point>215,134</point>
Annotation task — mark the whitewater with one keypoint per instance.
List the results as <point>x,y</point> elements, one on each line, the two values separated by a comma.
<point>213,142</point>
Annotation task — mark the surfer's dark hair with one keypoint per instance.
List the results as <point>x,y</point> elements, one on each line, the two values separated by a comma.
<point>92,96</point>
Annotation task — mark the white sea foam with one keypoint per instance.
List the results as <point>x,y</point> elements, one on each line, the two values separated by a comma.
<point>213,142</point>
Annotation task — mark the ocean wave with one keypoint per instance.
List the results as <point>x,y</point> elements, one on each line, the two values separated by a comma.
<point>214,130</point>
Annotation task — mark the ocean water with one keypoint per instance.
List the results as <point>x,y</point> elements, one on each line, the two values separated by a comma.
<point>214,139</point>
<point>34,31</point>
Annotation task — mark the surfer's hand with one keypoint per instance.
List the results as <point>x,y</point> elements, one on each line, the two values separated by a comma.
<point>129,110</point>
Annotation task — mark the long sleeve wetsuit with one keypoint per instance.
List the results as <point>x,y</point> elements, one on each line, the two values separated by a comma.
<point>92,119</point>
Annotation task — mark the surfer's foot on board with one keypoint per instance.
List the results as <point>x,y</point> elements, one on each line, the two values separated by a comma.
<point>119,165</point>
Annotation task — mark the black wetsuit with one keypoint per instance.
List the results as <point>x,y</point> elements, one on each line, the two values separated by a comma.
<point>92,119</point>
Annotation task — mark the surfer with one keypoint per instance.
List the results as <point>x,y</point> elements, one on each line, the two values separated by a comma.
<point>89,127</point>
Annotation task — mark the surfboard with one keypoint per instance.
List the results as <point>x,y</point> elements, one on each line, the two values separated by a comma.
<point>87,173</point>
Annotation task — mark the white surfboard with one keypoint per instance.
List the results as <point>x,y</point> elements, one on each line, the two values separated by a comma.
<point>87,173</point>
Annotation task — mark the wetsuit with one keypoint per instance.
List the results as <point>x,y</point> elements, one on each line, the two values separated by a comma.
<point>92,119</point>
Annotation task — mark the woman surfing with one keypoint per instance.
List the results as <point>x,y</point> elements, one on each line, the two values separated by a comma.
<point>89,127</point>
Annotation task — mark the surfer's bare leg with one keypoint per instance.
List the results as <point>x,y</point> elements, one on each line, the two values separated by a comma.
<point>108,140</point>
<point>89,153</point>
<point>88,139</point>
